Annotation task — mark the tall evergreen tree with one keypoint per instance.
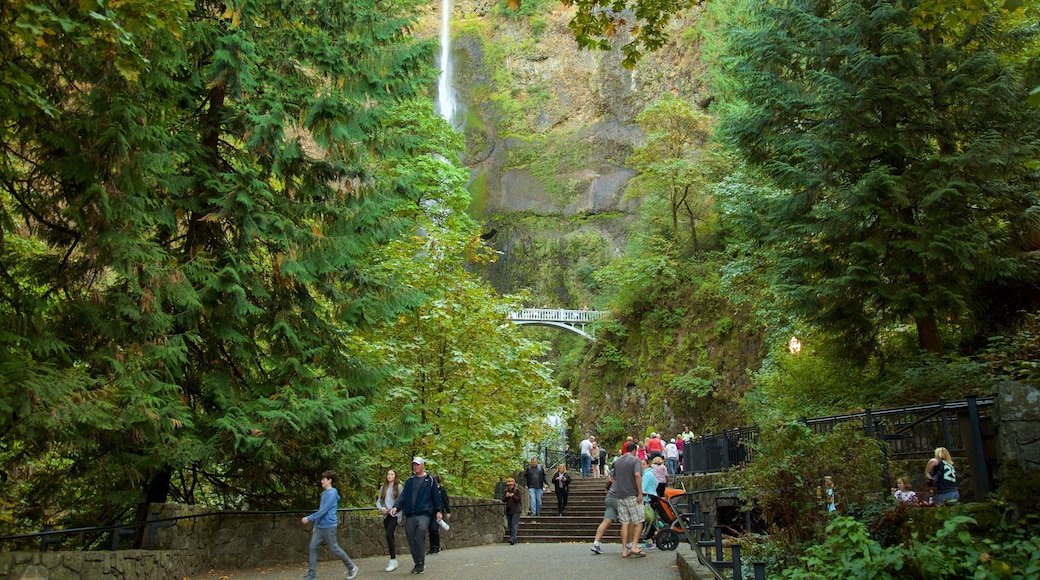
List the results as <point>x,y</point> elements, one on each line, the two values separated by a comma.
<point>187,205</point>
<point>899,140</point>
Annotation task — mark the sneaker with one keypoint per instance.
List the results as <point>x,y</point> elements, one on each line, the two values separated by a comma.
<point>392,565</point>
<point>352,573</point>
<point>596,549</point>
<point>419,569</point>
<point>648,546</point>
<point>310,576</point>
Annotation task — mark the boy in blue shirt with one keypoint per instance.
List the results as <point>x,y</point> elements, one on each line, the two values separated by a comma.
<point>325,523</point>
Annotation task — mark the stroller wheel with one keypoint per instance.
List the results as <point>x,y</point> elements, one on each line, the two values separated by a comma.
<point>667,539</point>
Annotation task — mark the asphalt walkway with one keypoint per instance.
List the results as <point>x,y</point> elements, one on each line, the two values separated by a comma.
<point>494,562</point>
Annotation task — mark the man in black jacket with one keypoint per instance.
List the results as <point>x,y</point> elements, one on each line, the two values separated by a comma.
<point>536,481</point>
<point>419,501</point>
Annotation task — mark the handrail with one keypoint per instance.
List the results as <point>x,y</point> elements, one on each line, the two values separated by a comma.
<point>940,406</point>
<point>156,522</point>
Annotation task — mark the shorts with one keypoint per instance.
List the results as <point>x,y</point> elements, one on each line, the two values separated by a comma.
<point>610,511</point>
<point>630,511</point>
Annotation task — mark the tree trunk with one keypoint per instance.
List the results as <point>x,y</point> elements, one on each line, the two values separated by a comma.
<point>158,491</point>
<point>928,334</point>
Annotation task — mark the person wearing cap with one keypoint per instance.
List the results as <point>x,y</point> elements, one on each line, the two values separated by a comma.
<point>511,496</point>
<point>671,456</point>
<point>325,524</point>
<point>419,502</point>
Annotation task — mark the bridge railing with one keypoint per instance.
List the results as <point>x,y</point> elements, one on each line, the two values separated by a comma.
<point>556,315</point>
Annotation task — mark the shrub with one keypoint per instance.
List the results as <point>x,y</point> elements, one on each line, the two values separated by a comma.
<point>790,464</point>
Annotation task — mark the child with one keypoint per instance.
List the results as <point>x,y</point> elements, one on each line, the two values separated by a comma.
<point>325,523</point>
<point>903,492</point>
<point>828,487</point>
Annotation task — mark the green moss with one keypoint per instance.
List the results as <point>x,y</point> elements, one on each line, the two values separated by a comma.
<point>478,192</point>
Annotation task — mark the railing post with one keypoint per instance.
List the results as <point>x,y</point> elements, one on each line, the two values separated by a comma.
<point>725,450</point>
<point>47,540</point>
<point>735,549</point>
<point>947,440</point>
<point>760,570</point>
<point>118,532</point>
<point>870,422</point>
<point>978,454</point>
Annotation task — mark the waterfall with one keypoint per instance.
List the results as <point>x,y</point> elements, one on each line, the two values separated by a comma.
<point>445,96</point>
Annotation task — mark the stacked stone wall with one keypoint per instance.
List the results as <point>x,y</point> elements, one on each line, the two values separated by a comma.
<point>199,540</point>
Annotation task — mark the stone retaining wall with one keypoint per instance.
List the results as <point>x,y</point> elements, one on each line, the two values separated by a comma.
<point>233,540</point>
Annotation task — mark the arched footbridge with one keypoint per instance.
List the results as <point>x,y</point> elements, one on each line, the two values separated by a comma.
<point>576,321</point>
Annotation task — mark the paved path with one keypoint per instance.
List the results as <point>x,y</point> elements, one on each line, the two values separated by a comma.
<point>494,562</point>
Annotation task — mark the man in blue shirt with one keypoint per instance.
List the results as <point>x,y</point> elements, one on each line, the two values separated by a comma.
<point>419,501</point>
<point>325,522</point>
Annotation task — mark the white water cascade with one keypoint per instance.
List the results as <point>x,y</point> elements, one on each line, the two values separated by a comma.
<point>446,104</point>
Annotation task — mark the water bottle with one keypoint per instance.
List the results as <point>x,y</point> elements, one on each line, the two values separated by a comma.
<point>444,525</point>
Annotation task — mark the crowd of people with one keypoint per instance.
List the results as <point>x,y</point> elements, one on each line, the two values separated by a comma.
<point>640,471</point>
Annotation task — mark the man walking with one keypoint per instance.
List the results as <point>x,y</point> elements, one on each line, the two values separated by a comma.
<point>629,483</point>
<point>419,501</point>
<point>609,513</point>
<point>536,481</point>
<point>586,456</point>
<point>671,455</point>
<point>325,523</point>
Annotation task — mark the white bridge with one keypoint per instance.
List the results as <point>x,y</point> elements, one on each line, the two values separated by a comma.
<point>572,320</point>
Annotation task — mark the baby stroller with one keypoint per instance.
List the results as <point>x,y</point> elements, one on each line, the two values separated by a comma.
<point>665,529</point>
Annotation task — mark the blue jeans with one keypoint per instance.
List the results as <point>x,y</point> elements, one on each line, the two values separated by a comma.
<point>673,466</point>
<point>586,465</point>
<point>536,500</point>
<point>947,497</point>
<point>514,525</point>
<point>327,535</point>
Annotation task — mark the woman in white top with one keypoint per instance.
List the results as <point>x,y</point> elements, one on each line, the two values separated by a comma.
<point>388,493</point>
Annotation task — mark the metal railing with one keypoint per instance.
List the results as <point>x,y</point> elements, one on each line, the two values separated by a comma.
<point>913,430</point>
<point>706,539</point>
<point>719,452</point>
<point>51,538</point>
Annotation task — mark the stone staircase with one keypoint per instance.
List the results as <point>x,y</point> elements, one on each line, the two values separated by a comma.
<point>578,524</point>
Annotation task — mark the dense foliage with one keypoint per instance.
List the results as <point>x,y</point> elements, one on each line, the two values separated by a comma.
<point>201,208</point>
<point>897,147</point>
<point>790,464</point>
<point>954,551</point>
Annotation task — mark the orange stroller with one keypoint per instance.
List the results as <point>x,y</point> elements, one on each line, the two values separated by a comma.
<point>667,525</point>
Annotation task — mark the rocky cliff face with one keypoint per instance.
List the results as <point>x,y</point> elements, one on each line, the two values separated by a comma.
<point>548,129</point>
<point>548,125</point>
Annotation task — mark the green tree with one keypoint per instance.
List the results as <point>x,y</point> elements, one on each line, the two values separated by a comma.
<point>187,201</point>
<point>465,388</point>
<point>642,23</point>
<point>676,164</point>
<point>898,139</point>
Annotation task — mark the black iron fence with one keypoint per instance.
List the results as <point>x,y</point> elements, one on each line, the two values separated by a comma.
<point>962,426</point>
<point>719,452</point>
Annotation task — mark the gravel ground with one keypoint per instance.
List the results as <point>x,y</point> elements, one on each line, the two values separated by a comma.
<point>498,561</point>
